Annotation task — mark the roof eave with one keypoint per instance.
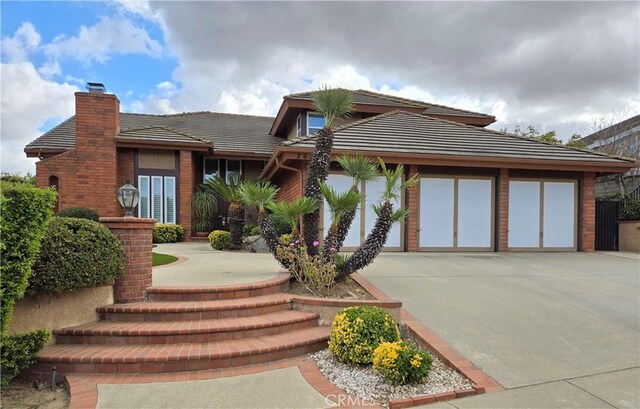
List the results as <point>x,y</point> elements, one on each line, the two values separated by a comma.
<point>195,146</point>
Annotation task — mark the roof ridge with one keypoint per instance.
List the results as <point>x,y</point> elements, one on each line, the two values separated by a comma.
<point>196,113</point>
<point>166,128</point>
<point>395,98</point>
<point>459,109</point>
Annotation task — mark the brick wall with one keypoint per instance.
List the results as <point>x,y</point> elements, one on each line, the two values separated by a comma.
<point>186,188</point>
<point>588,212</point>
<point>503,210</point>
<point>136,237</point>
<point>414,213</point>
<point>88,175</point>
<point>290,186</point>
<point>126,165</point>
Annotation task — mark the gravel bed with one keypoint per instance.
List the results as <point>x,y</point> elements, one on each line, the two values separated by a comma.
<point>366,383</point>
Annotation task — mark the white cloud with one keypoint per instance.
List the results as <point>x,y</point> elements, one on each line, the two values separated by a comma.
<point>17,48</point>
<point>28,102</point>
<point>107,37</point>
<point>50,69</point>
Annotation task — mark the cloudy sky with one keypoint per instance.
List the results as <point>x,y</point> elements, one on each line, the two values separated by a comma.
<point>558,66</point>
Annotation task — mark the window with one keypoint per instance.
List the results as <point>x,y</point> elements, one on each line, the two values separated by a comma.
<point>211,168</point>
<point>315,123</point>
<point>234,170</point>
<point>299,126</point>
<point>157,198</point>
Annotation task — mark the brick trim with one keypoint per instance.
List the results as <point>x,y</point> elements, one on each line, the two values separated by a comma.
<point>587,211</point>
<point>503,210</point>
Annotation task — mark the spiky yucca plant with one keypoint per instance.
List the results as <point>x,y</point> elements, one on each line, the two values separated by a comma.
<point>260,195</point>
<point>377,238</point>
<point>339,205</point>
<point>361,169</point>
<point>292,212</point>
<point>332,103</point>
<point>203,206</point>
<point>231,193</point>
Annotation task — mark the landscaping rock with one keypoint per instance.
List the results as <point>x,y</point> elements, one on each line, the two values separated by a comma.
<point>366,383</point>
<point>255,244</point>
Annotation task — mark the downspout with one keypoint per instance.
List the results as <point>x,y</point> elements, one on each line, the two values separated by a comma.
<point>298,171</point>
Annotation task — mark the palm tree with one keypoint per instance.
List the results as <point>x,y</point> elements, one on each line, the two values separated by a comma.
<point>260,195</point>
<point>332,103</point>
<point>230,192</point>
<point>377,238</point>
<point>340,204</point>
<point>361,169</point>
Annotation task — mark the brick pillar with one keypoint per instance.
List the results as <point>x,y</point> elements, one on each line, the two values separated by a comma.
<point>503,210</point>
<point>588,212</point>
<point>136,237</point>
<point>414,212</point>
<point>187,186</point>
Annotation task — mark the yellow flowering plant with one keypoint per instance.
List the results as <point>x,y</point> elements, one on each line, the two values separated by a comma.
<point>357,331</point>
<point>401,362</point>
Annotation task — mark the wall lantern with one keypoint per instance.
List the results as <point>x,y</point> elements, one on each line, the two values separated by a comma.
<point>128,196</point>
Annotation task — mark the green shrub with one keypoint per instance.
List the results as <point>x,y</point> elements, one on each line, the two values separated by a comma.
<point>16,177</point>
<point>279,225</point>
<point>251,230</point>
<point>24,212</point>
<point>18,352</point>
<point>220,239</point>
<point>401,362</point>
<point>79,213</point>
<point>357,331</point>
<point>284,240</point>
<point>167,233</point>
<point>76,253</point>
<point>630,209</point>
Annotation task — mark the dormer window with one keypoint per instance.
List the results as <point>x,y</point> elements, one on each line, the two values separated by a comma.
<point>315,123</point>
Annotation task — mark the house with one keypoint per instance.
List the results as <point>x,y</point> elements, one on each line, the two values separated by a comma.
<point>619,139</point>
<point>479,189</point>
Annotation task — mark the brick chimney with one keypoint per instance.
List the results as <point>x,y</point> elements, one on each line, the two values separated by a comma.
<point>97,124</point>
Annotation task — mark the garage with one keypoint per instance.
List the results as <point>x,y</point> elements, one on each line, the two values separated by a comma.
<point>456,213</point>
<point>364,220</point>
<point>542,214</point>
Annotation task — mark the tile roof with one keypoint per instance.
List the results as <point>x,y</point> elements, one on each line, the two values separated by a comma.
<point>361,96</point>
<point>160,134</point>
<point>403,132</point>
<point>228,132</point>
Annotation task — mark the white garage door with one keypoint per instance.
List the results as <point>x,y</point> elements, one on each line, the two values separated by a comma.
<point>363,221</point>
<point>542,214</point>
<point>456,213</point>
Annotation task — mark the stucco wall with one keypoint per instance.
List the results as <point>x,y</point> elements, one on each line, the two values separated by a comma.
<point>60,310</point>
<point>629,236</point>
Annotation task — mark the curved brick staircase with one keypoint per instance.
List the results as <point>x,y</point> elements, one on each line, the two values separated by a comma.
<point>187,329</point>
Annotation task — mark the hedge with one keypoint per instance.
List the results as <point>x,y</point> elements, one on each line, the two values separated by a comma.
<point>80,213</point>
<point>76,253</point>
<point>18,352</point>
<point>24,212</point>
<point>167,233</point>
<point>220,239</point>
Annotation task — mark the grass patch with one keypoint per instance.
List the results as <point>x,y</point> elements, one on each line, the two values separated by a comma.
<point>162,259</point>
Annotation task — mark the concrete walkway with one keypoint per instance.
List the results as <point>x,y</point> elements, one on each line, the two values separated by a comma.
<point>207,267</point>
<point>281,388</point>
<point>557,329</point>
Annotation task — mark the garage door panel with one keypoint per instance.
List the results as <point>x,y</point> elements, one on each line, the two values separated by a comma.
<point>342,183</point>
<point>474,213</point>
<point>436,212</point>
<point>558,215</point>
<point>374,191</point>
<point>524,214</point>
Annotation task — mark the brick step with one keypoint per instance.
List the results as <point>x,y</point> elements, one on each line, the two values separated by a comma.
<point>149,333</point>
<point>227,292</point>
<point>163,311</point>
<point>111,359</point>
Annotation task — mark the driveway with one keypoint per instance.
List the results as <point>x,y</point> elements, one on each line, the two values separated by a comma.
<point>556,330</point>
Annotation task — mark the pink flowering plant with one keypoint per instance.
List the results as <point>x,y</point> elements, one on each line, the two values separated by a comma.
<point>315,275</point>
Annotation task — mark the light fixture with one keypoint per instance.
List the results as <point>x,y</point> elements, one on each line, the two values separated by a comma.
<point>128,197</point>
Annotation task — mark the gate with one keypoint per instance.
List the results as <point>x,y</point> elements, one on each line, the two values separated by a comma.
<point>607,214</point>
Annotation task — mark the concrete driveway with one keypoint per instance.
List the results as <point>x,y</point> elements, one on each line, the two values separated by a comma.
<point>557,330</point>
